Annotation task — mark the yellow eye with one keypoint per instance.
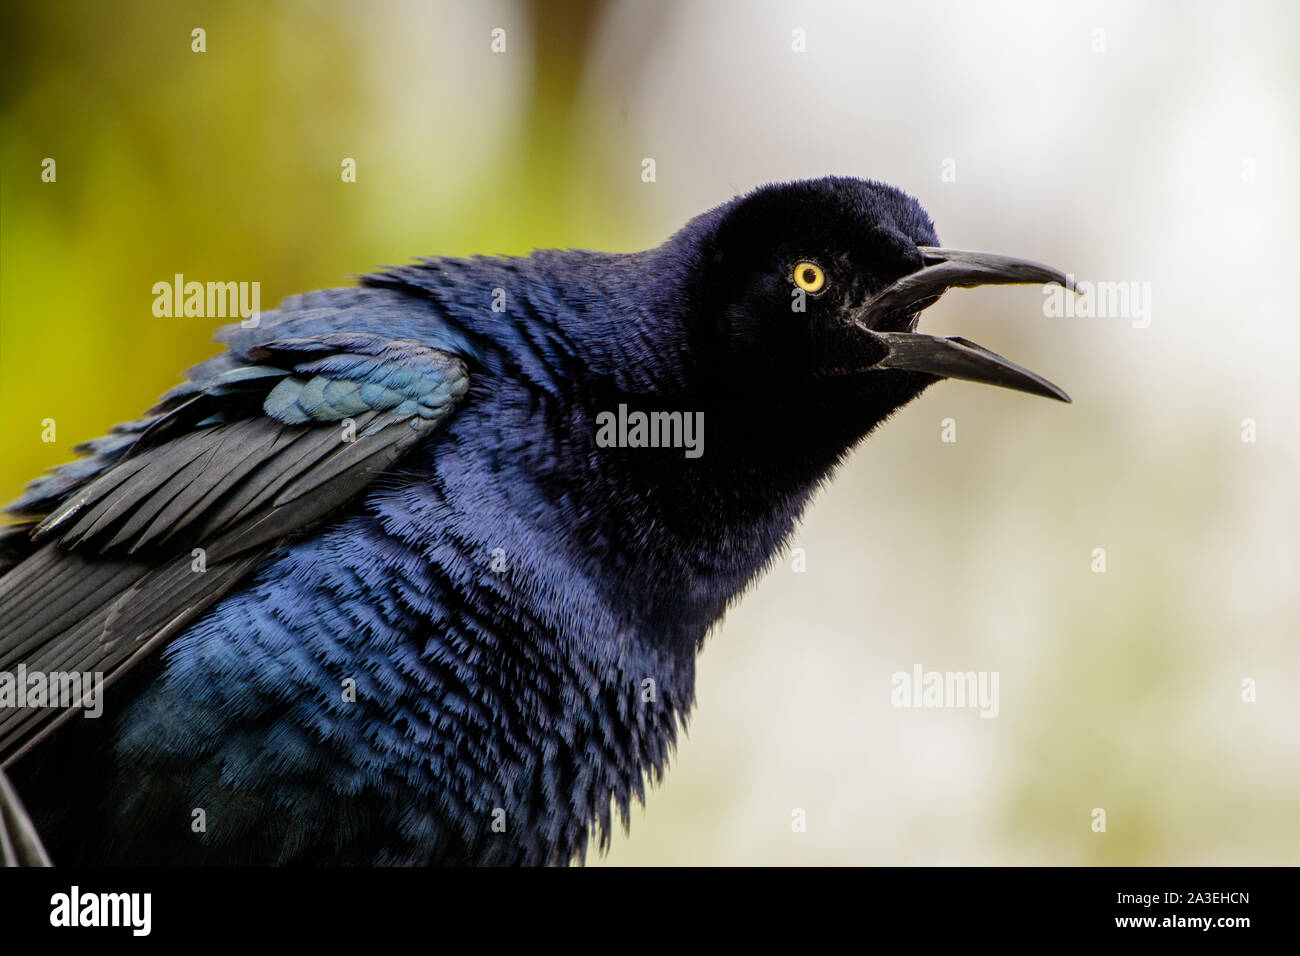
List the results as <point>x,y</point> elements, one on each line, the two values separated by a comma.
<point>809,276</point>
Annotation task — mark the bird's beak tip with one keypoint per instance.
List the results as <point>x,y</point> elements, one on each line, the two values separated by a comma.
<point>959,358</point>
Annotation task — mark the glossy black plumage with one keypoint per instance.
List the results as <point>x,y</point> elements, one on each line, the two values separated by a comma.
<point>517,606</point>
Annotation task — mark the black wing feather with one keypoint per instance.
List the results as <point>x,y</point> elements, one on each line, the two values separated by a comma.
<point>105,577</point>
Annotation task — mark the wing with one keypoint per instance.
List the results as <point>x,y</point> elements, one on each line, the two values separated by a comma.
<point>121,550</point>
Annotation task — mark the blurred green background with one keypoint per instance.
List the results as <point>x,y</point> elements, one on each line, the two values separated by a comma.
<point>1153,143</point>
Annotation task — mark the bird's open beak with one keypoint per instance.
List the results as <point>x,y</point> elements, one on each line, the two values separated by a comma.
<point>891,315</point>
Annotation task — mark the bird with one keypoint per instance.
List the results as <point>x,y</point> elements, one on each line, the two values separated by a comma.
<point>376,587</point>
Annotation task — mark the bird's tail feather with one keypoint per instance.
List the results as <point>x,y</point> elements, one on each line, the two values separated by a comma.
<point>19,843</point>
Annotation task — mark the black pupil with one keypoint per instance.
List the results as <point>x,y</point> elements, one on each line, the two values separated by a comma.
<point>809,276</point>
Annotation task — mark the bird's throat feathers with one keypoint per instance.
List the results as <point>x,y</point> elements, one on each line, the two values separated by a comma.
<point>674,523</point>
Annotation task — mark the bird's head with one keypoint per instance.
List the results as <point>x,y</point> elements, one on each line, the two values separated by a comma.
<point>818,286</point>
